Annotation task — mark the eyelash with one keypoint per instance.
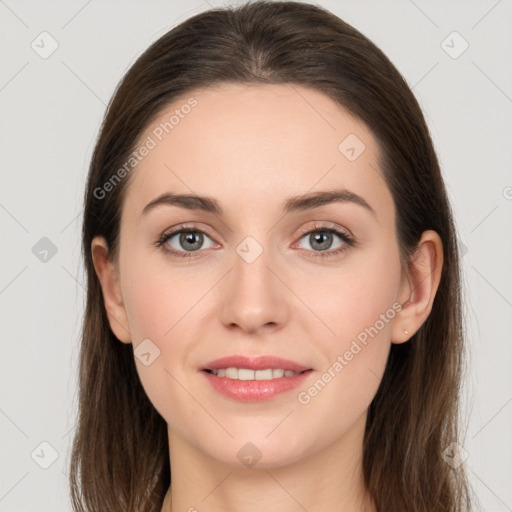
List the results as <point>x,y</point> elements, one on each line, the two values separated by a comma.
<point>323,228</point>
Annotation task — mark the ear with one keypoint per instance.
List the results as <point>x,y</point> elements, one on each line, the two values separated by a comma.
<point>418,287</point>
<point>108,275</point>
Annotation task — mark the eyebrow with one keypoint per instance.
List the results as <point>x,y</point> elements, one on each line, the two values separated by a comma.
<point>293,204</point>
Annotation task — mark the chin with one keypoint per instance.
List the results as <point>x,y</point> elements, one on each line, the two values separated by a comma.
<point>260,452</point>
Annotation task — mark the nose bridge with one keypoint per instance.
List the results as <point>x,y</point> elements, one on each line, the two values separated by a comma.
<point>251,265</point>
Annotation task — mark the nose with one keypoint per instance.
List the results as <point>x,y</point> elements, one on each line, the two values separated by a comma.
<point>254,298</point>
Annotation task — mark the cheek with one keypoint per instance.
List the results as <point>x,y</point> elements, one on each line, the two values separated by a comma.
<point>156,296</point>
<point>161,304</point>
<point>358,305</point>
<point>157,311</point>
<point>355,297</point>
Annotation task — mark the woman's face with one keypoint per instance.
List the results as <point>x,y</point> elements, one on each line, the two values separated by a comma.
<point>258,282</point>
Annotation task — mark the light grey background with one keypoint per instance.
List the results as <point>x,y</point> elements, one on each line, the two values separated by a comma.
<point>51,111</point>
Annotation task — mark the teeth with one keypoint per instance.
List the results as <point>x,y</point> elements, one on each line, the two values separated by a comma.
<point>247,374</point>
<point>231,373</point>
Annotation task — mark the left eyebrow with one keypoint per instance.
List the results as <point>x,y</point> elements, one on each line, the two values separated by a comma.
<point>293,204</point>
<point>317,199</point>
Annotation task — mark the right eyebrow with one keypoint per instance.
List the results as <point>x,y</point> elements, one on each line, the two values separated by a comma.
<point>188,201</point>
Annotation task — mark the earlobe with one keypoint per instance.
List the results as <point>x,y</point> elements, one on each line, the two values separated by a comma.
<point>419,287</point>
<point>108,276</point>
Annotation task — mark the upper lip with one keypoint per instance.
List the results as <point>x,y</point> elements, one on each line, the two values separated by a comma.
<point>254,363</point>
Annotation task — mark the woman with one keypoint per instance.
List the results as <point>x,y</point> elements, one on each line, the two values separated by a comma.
<point>273,309</point>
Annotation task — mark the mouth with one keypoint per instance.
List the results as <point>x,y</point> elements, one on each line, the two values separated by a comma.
<point>254,379</point>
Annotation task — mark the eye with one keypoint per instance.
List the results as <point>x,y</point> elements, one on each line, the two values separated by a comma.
<point>183,242</point>
<point>321,239</point>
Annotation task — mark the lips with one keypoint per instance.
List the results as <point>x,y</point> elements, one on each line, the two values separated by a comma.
<point>259,389</point>
<point>255,363</point>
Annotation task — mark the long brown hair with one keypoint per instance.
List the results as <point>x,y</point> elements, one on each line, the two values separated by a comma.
<point>120,459</point>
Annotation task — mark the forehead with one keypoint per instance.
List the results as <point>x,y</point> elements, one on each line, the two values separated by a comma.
<point>251,144</point>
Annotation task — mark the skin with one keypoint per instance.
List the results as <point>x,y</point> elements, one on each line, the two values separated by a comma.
<point>251,148</point>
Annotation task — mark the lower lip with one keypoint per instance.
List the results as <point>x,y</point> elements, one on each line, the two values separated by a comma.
<point>255,390</point>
